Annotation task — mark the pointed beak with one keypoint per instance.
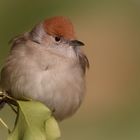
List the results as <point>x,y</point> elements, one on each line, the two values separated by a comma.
<point>76,43</point>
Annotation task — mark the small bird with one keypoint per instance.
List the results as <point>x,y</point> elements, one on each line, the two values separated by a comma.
<point>48,65</point>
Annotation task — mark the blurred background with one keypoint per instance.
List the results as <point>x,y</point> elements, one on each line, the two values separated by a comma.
<point>111,32</point>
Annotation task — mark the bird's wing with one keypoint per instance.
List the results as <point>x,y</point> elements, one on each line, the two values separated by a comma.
<point>83,60</point>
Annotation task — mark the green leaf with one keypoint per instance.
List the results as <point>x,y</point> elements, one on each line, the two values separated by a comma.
<point>34,123</point>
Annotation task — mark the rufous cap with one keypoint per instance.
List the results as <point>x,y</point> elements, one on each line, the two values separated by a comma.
<point>59,26</point>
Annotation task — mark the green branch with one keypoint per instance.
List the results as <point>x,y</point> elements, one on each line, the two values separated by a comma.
<point>34,120</point>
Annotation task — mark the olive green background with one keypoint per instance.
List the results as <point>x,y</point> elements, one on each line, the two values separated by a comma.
<point>111,32</point>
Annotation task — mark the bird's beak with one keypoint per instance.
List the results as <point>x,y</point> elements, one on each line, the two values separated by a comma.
<point>76,43</point>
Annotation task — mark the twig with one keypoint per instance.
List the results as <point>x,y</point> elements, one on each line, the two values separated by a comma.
<point>12,102</point>
<point>8,99</point>
<point>12,107</point>
<point>5,125</point>
<point>4,98</point>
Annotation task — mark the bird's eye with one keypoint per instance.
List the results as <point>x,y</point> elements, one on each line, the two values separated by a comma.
<point>57,38</point>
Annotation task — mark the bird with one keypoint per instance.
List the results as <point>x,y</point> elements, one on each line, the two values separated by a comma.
<point>47,64</point>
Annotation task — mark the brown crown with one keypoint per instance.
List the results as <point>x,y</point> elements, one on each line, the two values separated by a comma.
<point>59,26</point>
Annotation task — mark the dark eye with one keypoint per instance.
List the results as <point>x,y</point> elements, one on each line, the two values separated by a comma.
<point>57,38</point>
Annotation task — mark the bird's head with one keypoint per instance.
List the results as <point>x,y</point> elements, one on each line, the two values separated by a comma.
<point>56,32</point>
